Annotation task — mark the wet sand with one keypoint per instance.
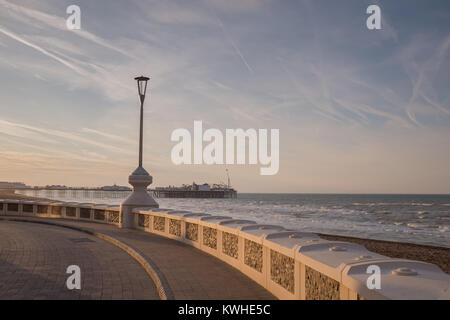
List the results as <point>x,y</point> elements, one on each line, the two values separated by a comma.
<point>436,255</point>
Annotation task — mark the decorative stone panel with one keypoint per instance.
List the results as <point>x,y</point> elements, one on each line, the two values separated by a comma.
<point>192,231</point>
<point>56,210</point>
<point>282,270</point>
<point>71,211</point>
<point>230,244</point>
<point>144,220</point>
<point>253,255</point>
<point>42,209</point>
<point>27,208</point>
<point>159,223</point>
<point>175,227</point>
<point>113,216</point>
<point>99,214</point>
<point>210,237</point>
<point>13,207</point>
<point>85,213</point>
<point>320,287</point>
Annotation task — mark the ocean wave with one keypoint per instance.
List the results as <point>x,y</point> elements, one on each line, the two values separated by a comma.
<point>407,222</point>
<point>383,212</point>
<point>415,225</point>
<point>372,204</point>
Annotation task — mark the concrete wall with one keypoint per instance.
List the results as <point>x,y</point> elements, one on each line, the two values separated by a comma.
<point>288,263</point>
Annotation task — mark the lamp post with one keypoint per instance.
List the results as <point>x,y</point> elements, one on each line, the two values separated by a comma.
<point>142,88</point>
<point>140,179</point>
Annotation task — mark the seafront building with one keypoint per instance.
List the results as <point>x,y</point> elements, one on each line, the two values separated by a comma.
<point>13,185</point>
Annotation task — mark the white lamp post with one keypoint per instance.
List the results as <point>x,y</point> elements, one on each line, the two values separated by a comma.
<point>139,179</point>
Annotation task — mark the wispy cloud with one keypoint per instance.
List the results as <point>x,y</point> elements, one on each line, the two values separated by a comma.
<point>311,69</point>
<point>108,135</point>
<point>235,47</point>
<point>240,6</point>
<point>41,50</point>
<point>68,136</point>
<point>24,14</point>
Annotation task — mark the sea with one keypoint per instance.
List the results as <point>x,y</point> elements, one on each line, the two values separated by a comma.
<point>421,219</point>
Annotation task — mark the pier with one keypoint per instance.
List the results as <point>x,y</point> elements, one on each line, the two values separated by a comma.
<point>210,194</point>
<point>98,193</point>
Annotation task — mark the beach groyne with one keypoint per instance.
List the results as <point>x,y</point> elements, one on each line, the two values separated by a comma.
<point>288,263</point>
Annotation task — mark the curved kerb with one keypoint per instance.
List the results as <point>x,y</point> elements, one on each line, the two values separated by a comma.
<point>162,286</point>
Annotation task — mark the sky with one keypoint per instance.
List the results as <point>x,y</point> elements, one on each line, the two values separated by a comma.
<point>359,110</point>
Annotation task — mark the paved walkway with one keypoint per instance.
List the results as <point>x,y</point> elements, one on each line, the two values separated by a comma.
<point>189,272</point>
<point>34,259</point>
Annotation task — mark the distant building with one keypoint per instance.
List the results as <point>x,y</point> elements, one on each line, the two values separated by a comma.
<point>196,187</point>
<point>56,187</point>
<point>13,185</point>
<point>116,188</point>
<point>217,191</point>
<point>204,187</point>
<point>200,187</point>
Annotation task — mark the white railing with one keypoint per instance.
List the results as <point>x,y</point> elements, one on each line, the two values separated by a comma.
<point>288,263</point>
<point>55,209</point>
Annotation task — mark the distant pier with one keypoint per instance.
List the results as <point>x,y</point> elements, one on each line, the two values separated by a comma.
<point>96,193</point>
<point>208,194</point>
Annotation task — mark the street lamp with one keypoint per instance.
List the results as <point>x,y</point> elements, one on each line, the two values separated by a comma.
<point>140,179</point>
<point>142,88</point>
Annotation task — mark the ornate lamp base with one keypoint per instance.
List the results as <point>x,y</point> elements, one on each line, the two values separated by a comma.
<point>139,198</point>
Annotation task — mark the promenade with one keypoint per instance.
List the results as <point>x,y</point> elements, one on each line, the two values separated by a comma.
<point>35,252</point>
<point>173,254</point>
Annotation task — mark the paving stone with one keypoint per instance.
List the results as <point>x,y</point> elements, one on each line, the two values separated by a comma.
<point>34,258</point>
<point>190,273</point>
